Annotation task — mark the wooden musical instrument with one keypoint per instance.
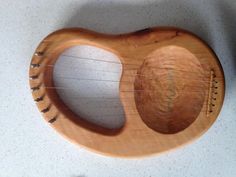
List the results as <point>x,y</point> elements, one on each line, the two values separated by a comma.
<point>174,82</point>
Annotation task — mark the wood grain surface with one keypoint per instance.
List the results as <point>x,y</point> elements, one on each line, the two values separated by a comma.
<point>172,89</point>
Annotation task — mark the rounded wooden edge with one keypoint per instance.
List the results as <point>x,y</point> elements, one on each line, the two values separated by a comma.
<point>37,81</point>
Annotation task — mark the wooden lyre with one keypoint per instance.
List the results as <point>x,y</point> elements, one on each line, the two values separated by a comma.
<point>174,81</point>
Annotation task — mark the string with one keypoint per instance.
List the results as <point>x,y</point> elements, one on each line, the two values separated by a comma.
<point>101,80</point>
<point>106,98</point>
<point>202,80</point>
<point>99,60</point>
<point>118,99</point>
<point>114,62</point>
<point>174,79</point>
<point>93,59</point>
<point>128,107</point>
<point>126,91</point>
<point>204,108</point>
<point>189,72</point>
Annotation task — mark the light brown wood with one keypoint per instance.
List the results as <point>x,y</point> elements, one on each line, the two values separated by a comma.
<point>175,89</point>
<point>169,79</point>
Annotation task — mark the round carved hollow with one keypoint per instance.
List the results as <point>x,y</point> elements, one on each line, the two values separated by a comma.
<point>171,89</point>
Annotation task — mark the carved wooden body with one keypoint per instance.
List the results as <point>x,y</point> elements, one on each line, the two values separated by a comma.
<point>174,82</point>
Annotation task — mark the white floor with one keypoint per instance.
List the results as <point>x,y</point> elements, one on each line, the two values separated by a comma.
<point>30,148</point>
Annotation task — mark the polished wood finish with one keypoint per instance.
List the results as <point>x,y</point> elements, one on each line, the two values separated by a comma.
<point>174,82</point>
<point>169,79</point>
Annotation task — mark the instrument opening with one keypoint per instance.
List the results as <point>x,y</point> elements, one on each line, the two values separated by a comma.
<point>87,80</point>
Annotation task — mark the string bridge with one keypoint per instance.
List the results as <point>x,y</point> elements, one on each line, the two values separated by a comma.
<point>213,91</point>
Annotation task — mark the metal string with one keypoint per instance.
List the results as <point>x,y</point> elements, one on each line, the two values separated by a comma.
<point>128,72</point>
<point>113,62</point>
<point>133,75</point>
<point>203,80</point>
